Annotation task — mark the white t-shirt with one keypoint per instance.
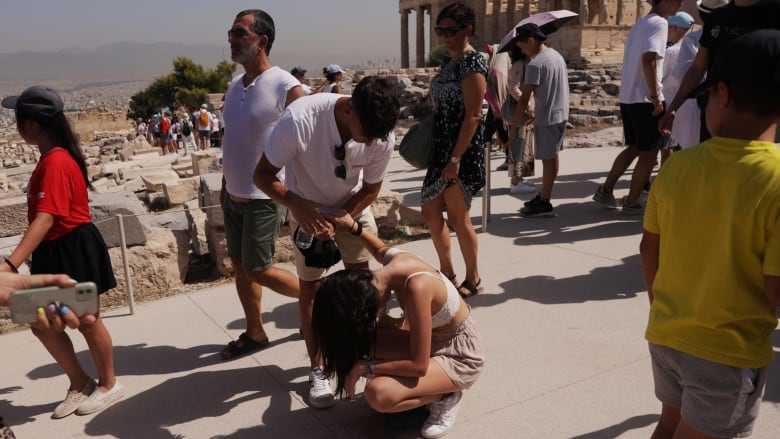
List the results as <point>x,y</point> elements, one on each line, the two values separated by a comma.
<point>304,142</point>
<point>687,122</point>
<point>648,35</point>
<point>670,82</point>
<point>250,114</point>
<point>214,122</point>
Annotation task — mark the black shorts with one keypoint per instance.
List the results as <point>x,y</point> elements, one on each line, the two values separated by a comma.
<point>495,125</point>
<point>640,127</point>
<point>81,254</point>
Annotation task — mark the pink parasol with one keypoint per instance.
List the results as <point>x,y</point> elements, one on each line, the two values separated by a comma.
<point>548,22</point>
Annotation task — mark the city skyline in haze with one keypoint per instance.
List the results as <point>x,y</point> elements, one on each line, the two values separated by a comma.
<point>308,33</point>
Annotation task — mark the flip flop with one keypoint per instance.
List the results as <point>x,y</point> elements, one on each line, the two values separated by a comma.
<point>473,289</point>
<point>243,346</point>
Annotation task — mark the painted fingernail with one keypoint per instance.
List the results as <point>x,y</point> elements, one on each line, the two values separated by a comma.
<point>63,309</point>
<point>52,307</point>
<point>40,310</point>
<point>71,280</point>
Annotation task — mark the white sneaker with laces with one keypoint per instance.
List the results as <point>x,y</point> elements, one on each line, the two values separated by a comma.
<point>442,416</point>
<point>522,188</point>
<point>320,393</point>
<point>98,400</point>
<point>73,400</point>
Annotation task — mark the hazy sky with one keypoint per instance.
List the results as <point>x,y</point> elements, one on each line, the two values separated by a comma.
<point>302,26</point>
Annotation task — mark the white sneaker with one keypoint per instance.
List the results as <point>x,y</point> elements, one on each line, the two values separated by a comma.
<point>73,400</point>
<point>522,188</point>
<point>98,400</point>
<point>320,393</point>
<point>442,416</point>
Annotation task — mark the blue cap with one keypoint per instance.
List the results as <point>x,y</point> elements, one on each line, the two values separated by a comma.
<point>681,19</point>
<point>333,68</point>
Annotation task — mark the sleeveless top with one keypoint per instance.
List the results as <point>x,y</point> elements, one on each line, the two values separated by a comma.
<point>447,312</point>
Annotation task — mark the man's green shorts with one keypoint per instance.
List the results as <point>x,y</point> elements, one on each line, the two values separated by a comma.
<point>251,229</point>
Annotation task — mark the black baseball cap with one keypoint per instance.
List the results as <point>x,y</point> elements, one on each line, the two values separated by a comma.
<point>297,71</point>
<point>37,102</point>
<point>751,60</point>
<point>320,254</point>
<point>529,30</point>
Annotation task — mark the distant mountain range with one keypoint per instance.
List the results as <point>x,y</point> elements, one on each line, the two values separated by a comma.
<point>135,61</point>
<point>118,61</point>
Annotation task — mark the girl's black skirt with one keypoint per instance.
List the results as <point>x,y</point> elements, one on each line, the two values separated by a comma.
<point>81,254</point>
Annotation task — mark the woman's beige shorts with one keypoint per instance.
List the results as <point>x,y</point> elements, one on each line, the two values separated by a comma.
<point>459,353</point>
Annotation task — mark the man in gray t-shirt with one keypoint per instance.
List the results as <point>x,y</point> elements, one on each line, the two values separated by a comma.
<point>547,80</point>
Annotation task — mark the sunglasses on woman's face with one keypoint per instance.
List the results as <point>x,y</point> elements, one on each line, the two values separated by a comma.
<point>447,31</point>
<point>340,153</point>
<point>238,32</point>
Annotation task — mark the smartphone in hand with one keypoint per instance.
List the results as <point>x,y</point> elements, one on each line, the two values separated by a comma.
<point>81,299</point>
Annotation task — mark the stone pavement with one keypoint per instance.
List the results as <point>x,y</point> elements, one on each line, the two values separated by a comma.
<point>562,320</point>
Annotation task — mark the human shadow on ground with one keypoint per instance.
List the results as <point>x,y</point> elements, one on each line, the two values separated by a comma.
<point>571,225</point>
<point>622,281</point>
<point>617,430</point>
<point>284,316</point>
<point>204,395</point>
<point>156,412</point>
<point>142,359</point>
<point>22,414</point>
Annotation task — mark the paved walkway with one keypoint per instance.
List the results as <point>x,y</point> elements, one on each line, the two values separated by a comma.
<point>562,319</point>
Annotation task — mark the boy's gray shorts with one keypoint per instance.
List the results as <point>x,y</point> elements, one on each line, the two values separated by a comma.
<point>549,140</point>
<point>714,399</point>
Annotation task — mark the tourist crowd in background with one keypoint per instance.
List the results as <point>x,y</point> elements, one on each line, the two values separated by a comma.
<point>317,158</point>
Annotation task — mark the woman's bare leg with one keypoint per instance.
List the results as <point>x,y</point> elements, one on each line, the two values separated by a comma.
<point>440,233</point>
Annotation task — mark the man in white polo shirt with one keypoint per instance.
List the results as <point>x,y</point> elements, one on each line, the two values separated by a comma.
<point>335,150</point>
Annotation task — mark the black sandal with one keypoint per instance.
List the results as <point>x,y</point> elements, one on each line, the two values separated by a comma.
<point>473,289</point>
<point>244,345</point>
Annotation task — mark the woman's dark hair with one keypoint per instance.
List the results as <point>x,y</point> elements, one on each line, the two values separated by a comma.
<point>58,129</point>
<point>264,25</point>
<point>329,76</point>
<point>516,54</point>
<point>377,104</point>
<point>459,13</point>
<point>344,321</point>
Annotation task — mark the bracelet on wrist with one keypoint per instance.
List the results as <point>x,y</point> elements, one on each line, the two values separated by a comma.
<point>14,268</point>
<point>357,231</point>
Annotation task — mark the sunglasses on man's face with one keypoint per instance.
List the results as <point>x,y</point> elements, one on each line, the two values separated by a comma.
<point>238,32</point>
<point>340,153</point>
<point>447,31</point>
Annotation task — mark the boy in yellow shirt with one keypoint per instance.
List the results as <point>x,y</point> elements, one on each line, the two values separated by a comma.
<point>711,252</point>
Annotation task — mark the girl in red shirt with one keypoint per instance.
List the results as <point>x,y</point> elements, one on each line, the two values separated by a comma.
<point>61,238</point>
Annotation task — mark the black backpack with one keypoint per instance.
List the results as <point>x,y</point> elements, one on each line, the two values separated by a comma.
<point>185,127</point>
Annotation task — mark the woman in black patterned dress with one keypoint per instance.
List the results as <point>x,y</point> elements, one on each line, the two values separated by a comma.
<point>457,171</point>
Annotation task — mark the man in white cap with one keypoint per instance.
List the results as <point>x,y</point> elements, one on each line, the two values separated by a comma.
<point>679,24</point>
<point>203,123</point>
<point>687,127</point>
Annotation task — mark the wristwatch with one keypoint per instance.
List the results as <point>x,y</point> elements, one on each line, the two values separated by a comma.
<point>454,159</point>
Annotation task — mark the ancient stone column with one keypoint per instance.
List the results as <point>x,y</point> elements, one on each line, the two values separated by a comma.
<point>420,40</point>
<point>496,13</point>
<point>621,10</point>
<point>584,13</point>
<point>603,13</point>
<point>405,39</point>
<point>433,12</point>
<point>511,19</point>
